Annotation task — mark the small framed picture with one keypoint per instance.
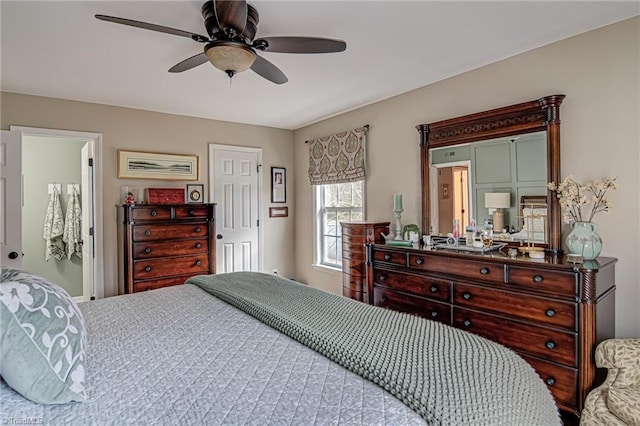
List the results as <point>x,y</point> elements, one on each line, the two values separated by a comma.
<point>278,211</point>
<point>195,193</point>
<point>278,185</point>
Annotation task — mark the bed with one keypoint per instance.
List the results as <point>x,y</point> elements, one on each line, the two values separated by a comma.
<point>250,348</point>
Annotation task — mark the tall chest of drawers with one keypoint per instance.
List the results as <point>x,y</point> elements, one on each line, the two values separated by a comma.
<point>354,236</point>
<point>163,245</point>
<point>552,313</point>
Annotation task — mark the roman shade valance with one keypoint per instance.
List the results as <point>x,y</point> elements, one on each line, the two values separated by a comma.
<point>338,158</point>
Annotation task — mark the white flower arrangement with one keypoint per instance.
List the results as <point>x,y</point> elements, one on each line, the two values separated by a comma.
<point>573,196</point>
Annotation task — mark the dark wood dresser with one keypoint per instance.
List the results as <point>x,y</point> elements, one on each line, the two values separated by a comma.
<point>551,312</point>
<point>354,236</point>
<point>163,245</point>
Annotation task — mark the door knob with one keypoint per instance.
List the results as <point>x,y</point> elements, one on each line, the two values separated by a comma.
<point>219,236</point>
<point>13,255</point>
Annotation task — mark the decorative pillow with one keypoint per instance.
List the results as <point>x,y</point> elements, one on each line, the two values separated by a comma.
<point>42,339</point>
<point>625,403</point>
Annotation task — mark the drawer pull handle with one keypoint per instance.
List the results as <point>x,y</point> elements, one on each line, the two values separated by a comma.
<point>434,314</point>
<point>466,323</point>
<point>198,245</point>
<point>148,269</point>
<point>550,344</point>
<point>550,313</point>
<point>154,213</point>
<point>466,296</point>
<point>387,257</point>
<point>484,271</point>
<point>419,261</point>
<point>147,232</point>
<point>551,381</point>
<point>434,289</point>
<point>198,229</point>
<point>538,278</point>
<point>192,212</point>
<point>147,250</point>
<point>382,278</point>
<point>198,262</point>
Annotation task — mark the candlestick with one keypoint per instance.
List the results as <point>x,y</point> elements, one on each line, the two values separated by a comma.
<point>397,202</point>
<point>398,213</point>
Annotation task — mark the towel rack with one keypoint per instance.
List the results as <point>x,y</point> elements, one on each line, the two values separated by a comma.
<point>54,186</point>
<point>71,187</point>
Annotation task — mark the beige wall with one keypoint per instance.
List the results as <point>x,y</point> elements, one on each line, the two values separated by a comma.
<point>150,131</point>
<point>598,71</point>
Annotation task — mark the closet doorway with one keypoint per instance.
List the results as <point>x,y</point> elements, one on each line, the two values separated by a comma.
<point>64,162</point>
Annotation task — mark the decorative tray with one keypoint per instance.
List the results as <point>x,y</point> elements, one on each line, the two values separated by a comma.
<point>400,243</point>
<point>462,247</point>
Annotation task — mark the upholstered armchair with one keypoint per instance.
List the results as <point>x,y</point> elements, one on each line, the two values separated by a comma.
<point>617,400</point>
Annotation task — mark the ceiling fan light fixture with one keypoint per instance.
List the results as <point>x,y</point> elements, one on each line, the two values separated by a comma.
<point>230,57</point>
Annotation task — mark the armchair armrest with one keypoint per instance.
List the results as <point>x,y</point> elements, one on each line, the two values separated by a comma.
<point>618,353</point>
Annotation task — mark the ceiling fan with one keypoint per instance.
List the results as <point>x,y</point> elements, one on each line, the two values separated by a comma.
<point>230,47</point>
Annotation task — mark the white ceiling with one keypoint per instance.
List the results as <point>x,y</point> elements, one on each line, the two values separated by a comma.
<point>58,49</point>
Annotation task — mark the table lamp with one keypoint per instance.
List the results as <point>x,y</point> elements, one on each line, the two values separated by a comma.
<point>497,201</point>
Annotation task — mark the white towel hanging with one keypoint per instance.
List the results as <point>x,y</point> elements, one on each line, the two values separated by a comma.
<point>54,227</point>
<point>72,235</point>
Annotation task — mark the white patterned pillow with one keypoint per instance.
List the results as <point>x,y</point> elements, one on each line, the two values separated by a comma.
<point>42,339</point>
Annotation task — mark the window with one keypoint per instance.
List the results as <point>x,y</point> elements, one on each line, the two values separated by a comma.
<point>335,203</point>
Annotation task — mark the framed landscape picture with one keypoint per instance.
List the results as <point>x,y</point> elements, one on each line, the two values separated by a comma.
<point>156,165</point>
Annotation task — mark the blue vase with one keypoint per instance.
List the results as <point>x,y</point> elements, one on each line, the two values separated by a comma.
<point>584,240</point>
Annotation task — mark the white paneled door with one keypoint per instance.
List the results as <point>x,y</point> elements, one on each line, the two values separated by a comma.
<point>11,199</point>
<point>235,182</point>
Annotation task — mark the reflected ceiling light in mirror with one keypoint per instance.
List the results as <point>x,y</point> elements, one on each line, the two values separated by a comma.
<point>497,201</point>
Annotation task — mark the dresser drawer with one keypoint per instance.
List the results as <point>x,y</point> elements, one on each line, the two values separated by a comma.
<point>429,309</point>
<point>561,381</point>
<point>390,257</point>
<point>353,252</point>
<point>145,250</point>
<point>353,266</point>
<point>353,239</point>
<point>185,212</point>
<point>155,268</point>
<point>163,282</point>
<point>550,344</point>
<point>354,282</point>
<point>152,213</point>
<point>433,288</point>
<point>561,283</point>
<point>484,271</point>
<point>540,310</point>
<point>163,232</point>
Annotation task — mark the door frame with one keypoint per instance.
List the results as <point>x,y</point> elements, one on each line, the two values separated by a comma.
<point>213,147</point>
<point>98,235</point>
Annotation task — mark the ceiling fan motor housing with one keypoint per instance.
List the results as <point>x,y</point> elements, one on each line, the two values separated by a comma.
<point>213,27</point>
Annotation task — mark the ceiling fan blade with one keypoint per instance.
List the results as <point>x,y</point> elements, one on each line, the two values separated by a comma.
<point>231,14</point>
<point>269,71</point>
<point>153,27</point>
<point>302,45</point>
<point>189,63</point>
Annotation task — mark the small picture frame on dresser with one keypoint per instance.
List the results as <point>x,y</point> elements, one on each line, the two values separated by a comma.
<point>195,193</point>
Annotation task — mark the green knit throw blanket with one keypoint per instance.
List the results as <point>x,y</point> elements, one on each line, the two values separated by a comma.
<point>446,375</point>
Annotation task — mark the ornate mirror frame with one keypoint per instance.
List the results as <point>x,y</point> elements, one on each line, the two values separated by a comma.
<point>538,115</point>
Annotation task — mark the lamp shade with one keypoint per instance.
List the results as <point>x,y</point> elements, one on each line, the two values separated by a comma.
<point>497,200</point>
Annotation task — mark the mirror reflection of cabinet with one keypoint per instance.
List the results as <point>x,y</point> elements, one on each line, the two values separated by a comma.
<point>537,118</point>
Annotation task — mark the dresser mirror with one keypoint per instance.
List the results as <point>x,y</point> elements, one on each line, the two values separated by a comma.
<point>511,150</point>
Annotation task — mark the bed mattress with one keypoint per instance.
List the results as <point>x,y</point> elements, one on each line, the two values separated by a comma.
<point>181,356</point>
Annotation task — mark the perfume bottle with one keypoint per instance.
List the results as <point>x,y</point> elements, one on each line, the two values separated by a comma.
<point>487,233</point>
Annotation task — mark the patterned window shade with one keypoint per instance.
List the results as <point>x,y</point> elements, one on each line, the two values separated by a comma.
<point>338,158</point>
